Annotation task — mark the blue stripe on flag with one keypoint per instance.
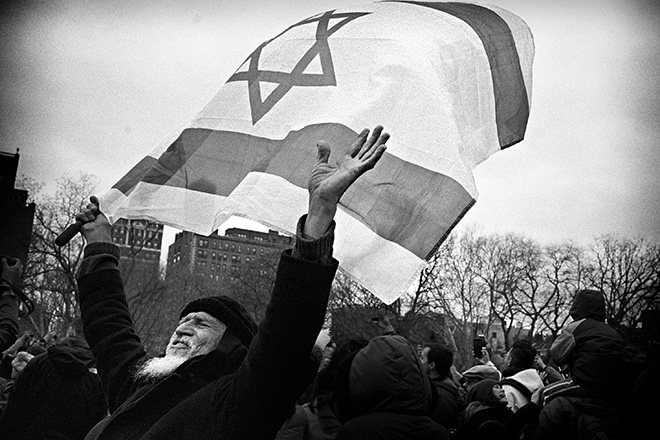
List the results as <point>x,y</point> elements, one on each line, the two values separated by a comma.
<point>511,102</point>
<point>400,201</point>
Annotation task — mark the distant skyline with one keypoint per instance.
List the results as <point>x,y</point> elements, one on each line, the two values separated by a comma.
<point>94,86</point>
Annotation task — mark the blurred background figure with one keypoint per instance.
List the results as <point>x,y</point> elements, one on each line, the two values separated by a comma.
<point>57,395</point>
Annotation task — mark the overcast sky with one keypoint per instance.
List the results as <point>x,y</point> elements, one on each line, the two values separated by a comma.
<point>94,86</point>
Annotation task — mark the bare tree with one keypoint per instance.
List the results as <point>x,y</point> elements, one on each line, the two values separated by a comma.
<point>351,309</point>
<point>50,270</point>
<point>460,297</point>
<point>252,283</point>
<point>563,273</point>
<point>502,266</point>
<point>628,272</point>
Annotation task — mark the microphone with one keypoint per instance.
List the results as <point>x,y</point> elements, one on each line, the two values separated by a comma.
<point>73,229</point>
<point>68,233</point>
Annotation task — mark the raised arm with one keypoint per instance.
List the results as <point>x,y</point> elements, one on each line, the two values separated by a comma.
<point>107,322</point>
<point>327,183</point>
<point>10,276</point>
<point>278,368</point>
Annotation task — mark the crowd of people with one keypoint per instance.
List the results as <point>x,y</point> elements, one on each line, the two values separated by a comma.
<point>225,377</point>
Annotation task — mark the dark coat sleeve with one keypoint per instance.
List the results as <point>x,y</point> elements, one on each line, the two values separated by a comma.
<point>277,368</point>
<point>110,333</point>
<point>8,321</point>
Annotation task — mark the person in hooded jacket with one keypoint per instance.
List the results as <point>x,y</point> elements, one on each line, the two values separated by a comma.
<point>321,410</point>
<point>593,351</point>
<point>438,360</point>
<point>383,392</point>
<point>588,403</point>
<point>520,379</point>
<point>488,417</point>
<point>58,395</point>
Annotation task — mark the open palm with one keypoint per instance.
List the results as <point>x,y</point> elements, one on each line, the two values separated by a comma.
<point>327,183</point>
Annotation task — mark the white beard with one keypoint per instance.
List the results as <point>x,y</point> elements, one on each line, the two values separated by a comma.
<point>158,367</point>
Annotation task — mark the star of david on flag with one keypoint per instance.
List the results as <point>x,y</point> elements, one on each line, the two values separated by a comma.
<point>297,77</point>
<point>451,82</point>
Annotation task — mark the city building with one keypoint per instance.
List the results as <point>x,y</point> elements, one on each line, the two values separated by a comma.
<point>140,242</point>
<point>215,257</point>
<point>16,214</point>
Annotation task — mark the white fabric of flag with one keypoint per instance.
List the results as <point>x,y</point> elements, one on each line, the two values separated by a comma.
<point>451,83</point>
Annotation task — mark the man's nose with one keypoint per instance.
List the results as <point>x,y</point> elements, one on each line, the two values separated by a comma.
<point>184,330</point>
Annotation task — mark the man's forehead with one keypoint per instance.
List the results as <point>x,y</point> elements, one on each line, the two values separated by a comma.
<point>201,316</point>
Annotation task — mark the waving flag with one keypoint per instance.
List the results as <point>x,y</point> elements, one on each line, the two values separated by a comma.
<point>451,83</point>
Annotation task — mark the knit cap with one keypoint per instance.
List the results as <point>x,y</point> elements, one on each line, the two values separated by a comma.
<point>483,372</point>
<point>482,391</point>
<point>229,312</point>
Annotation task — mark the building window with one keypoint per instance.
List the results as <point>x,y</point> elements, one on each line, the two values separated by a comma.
<point>240,248</point>
<point>233,248</point>
<point>202,253</point>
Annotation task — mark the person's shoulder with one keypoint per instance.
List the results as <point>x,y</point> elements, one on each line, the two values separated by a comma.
<point>445,385</point>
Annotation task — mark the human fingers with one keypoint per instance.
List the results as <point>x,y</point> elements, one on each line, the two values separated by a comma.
<point>323,151</point>
<point>372,157</point>
<point>375,134</point>
<point>86,215</point>
<point>375,142</point>
<point>356,146</point>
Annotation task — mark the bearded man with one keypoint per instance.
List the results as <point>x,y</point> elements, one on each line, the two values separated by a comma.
<point>221,376</point>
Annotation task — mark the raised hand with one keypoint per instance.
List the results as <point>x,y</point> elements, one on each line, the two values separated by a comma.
<point>12,268</point>
<point>96,227</point>
<point>327,183</point>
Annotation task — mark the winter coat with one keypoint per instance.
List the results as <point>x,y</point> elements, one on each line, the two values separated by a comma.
<point>296,426</point>
<point>231,393</point>
<point>486,414</point>
<point>519,393</point>
<point>594,351</point>
<point>446,409</point>
<point>390,394</point>
<point>57,396</point>
<point>323,422</point>
<point>580,418</point>
<point>8,321</point>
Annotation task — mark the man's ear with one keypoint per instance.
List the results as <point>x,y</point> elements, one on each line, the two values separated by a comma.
<point>432,366</point>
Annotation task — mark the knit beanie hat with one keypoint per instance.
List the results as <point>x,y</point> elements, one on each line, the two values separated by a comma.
<point>229,312</point>
<point>482,391</point>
